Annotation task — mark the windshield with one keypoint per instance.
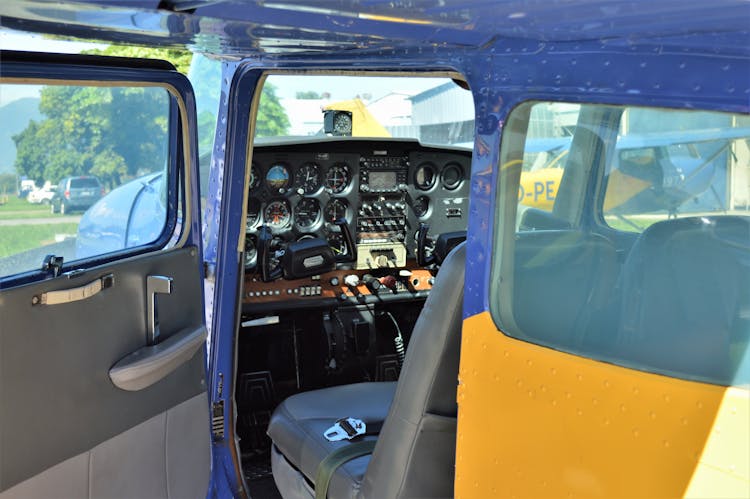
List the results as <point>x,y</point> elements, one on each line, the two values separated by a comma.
<point>435,111</point>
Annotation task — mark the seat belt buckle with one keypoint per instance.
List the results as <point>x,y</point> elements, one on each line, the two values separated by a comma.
<point>345,428</point>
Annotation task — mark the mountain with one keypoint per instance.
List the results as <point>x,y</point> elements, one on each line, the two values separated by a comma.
<point>14,117</point>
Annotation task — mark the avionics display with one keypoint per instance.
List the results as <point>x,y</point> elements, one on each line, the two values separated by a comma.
<point>383,181</point>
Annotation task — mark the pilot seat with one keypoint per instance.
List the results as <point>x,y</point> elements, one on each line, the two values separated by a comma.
<point>414,452</point>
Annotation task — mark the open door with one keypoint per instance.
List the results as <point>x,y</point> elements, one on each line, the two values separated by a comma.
<point>102,331</point>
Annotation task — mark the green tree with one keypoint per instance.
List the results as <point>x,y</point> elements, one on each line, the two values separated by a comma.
<point>272,120</point>
<point>109,132</point>
<point>179,58</point>
<point>120,132</point>
<point>7,183</point>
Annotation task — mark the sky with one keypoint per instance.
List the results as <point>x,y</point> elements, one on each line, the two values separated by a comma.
<point>339,88</point>
<point>13,40</point>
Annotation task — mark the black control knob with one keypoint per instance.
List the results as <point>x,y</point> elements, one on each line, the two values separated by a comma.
<point>372,283</point>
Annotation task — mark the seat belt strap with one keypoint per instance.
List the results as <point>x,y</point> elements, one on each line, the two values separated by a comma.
<point>330,464</point>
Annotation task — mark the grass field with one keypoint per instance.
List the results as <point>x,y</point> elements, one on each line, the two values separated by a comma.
<point>16,208</point>
<point>18,238</point>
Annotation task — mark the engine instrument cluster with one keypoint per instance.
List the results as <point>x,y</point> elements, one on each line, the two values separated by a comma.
<point>381,189</point>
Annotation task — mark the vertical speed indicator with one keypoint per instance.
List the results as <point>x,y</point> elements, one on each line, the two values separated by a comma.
<point>335,209</point>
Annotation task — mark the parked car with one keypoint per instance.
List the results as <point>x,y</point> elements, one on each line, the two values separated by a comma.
<point>43,195</point>
<point>76,193</point>
<point>131,215</point>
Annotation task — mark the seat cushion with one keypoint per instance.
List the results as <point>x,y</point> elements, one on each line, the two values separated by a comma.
<point>298,423</point>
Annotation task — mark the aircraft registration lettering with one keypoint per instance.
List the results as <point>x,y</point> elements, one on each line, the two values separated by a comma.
<point>539,194</point>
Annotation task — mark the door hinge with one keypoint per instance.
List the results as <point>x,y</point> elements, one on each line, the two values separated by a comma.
<point>217,420</point>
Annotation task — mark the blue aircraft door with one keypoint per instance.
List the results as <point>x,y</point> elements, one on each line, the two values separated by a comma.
<point>102,330</point>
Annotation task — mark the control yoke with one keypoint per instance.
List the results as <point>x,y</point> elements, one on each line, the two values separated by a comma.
<point>348,240</point>
<point>423,259</point>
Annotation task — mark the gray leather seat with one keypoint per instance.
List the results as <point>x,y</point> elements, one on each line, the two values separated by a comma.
<point>685,299</point>
<point>415,451</point>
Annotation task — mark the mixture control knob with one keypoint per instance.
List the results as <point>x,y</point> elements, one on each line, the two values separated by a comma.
<point>389,282</point>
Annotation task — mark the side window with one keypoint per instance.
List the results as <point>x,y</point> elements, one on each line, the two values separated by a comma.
<point>551,127</point>
<point>643,257</point>
<point>676,164</point>
<point>83,170</point>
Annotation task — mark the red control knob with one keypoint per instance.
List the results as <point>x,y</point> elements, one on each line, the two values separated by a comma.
<point>389,282</point>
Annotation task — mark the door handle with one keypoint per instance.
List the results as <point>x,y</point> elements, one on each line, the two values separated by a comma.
<point>155,284</point>
<point>149,364</point>
<point>74,294</point>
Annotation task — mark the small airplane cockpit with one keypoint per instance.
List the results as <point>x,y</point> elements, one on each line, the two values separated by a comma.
<point>346,225</point>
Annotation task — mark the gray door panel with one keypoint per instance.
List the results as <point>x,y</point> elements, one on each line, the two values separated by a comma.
<point>57,400</point>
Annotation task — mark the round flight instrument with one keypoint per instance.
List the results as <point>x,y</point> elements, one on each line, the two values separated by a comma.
<point>425,176</point>
<point>337,178</point>
<point>277,214</point>
<point>254,177</point>
<point>307,213</point>
<point>342,124</point>
<point>452,176</point>
<point>251,251</point>
<point>253,213</point>
<point>307,178</point>
<point>421,206</point>
<point>335,209</point>
<point>277,178</point>
<point>338,244</point>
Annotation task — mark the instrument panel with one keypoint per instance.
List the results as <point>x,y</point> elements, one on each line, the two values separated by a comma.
<point>382,189</point>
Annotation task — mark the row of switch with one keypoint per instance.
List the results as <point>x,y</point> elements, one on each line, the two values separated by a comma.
<point>364,223</point>
<point>301,291</point>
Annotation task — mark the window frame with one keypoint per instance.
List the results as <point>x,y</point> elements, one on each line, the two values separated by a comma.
<point>591,218</point>
<point>86,70</point>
